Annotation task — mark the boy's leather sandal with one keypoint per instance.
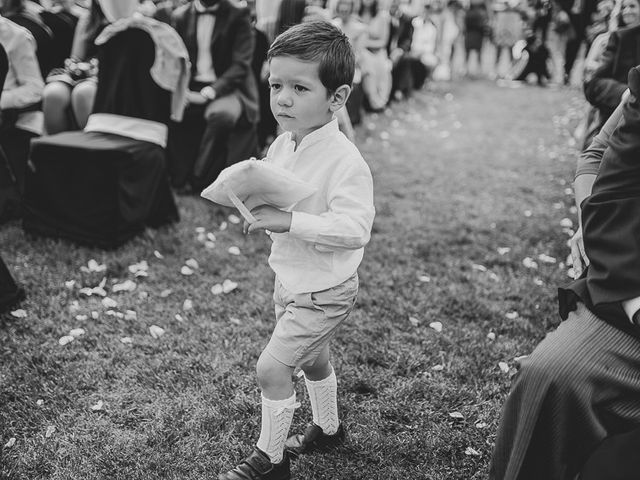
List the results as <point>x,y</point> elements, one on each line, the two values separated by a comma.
<point>258,466</point>
<point>314,440</point>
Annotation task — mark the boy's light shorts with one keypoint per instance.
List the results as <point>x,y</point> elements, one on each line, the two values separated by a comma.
<point>307,322</point>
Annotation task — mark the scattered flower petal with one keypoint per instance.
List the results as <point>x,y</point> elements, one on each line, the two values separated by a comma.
<point>228,286</point>
<point>211,237</point>
<point>223,226</point>
<point>235,321</point>
<point>566,223</point>
<point>82,318</point>
<point>126,286</point>
<point>140,266</point>
<point>109,303</point>
<point>10,443</point>
<point>158,254</point>
<point>209,245</point>
<point>93,266</point>
<point>494,277</point>
<point>40,402</point>
<point>479,268</point>
<point>98,406</point>
<point>19,313</point>
<point>141,274</point>
<point>437,368</point>
<point>66,339</point>
<point>187,305</point>
<point>437,326</point>
<point>503,250</point>
<point>529,262</point>
<point>50,431</point>
<point>179,317</point>
<point>471,451</point>
<point>192,263</point>
<point>481,425</point>
<point>234,250</point>
<point>528,213</point>
<point>511,315</point>
<point>130,315</point>
<point>414,321</point>
<point>70,284</point>
<point>546,258</point>
<point>142,295</point>
<point>457,415</point>
<point>94,315</point>
<point>76,332</point>
<point>155,331</point>
<point>217,289</point>
<point>186,271</point>
<point>424,278</point>
<point>491,336</point>
<point>200,229</point>
<point>233,219</point>
<point>126,340</point>
<point>166,292</point>
<point>201,238</point>
<point>504,367</point>
<point>538,282</point>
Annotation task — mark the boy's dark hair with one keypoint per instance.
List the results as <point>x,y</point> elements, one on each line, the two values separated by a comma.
<point>321,42</point>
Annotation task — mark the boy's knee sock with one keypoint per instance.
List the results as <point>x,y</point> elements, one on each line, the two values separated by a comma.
<point>323,395</point>
<point>276,420</point>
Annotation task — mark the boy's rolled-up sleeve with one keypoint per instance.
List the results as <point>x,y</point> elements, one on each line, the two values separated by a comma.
<point>348,221</point>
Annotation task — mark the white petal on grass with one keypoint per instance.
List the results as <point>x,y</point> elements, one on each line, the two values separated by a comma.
<point>437,368</point>
<point>86,291</point>
<point>76,332</point>
<point>109,303</point>
<point>414,321</point>
<point>211,237</point>
<point>179,317</point>
<point>192,263</point>
<point>126,340</point>
<point>10,443</point>
<point>456,415</point>
<point>529,262</point>
<point>200,229</point>
<point>235,320</point>
<point>229,286</point>
<point>217,289</point>
<point>130,315</point>
<point>512,315</point>
<point>494,277</point>
<point>126,286</point>
<point>538,282</point>
<point>111,313</point>
<point>234,250</point>
<point>65,340</point>
<point>98,406</point>
<point>50,431</point>
<point>95,315</point>
<point>187,305</point>
<point>478,267</point>
<point>566,223</point>
<point>234,219</point>
<point>186,271</point>
<point>158,255</point>
<point>141,274</point>
<point>40,402</point>
<point>166,292</point>
<point>201,238</point>
<point>70,284</point>
<point>471,451</point>
<point>544,258</point>
<point>491,336</point>
<point>19,313</point>
<point>528,213</point>
<point>503,250</point>
<point>223,226</point>
<point>82,318</point>
<point>424,278</point>
<point>209,245</point>
<point>481,425</point>
<point>571,273</point>
<point>156,331</point>
<point>504,367</point>
<point>437,326</point>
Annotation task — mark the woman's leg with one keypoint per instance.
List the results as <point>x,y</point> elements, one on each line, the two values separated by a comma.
<point>82,98</point>
<point>56,100</point>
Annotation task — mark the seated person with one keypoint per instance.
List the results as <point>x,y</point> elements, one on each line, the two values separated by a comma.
<point>69,93</point>
<point>21,95</point>
<point>222,92</point>
<point>537,56</point>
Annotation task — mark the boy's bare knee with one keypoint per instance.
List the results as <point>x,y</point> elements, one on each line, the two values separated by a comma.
<point>272,374</point>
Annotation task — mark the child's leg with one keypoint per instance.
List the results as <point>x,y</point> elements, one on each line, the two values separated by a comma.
<point>278,405</point>
<point>322,386</point>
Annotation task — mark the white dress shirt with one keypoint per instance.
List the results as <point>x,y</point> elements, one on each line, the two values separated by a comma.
<point>204,31</point>
<point>329,229</point>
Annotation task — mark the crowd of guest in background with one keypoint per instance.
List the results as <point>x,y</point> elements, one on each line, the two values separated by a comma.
<point>400,45</point>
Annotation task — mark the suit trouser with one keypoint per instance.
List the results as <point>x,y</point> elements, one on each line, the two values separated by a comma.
<point>580,385</point>
<point>197,145</point>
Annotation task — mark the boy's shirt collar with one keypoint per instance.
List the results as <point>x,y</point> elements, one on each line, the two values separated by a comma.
<point>327,130</point>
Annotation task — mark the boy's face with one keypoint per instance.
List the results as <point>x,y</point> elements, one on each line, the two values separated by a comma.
<point>299,101</point>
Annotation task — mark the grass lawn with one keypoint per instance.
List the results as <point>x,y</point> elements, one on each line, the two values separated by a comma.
<point>470,180</point>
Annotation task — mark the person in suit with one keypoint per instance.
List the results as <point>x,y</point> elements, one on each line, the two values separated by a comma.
<point>220,40</point>
<point>581,384</point>
<point>605,87</point>
<point>579,13</point>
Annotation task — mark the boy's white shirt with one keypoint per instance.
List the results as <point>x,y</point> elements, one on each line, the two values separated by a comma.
<point>329,229</point>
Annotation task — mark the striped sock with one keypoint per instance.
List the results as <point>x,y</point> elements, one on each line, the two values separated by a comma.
<point>276,420</point>
<point>323,395</point>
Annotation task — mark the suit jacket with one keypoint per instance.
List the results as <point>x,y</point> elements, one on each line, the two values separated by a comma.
<point>604,90</point>
<point>232,44</point>
<point>611,223</point>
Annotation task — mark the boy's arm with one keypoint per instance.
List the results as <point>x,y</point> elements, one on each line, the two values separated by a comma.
<point>348,221</point>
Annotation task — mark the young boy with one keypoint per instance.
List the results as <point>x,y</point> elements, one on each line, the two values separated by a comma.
<point>317,246</point>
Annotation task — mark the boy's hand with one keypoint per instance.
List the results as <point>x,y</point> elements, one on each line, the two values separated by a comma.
<point>269,218</point>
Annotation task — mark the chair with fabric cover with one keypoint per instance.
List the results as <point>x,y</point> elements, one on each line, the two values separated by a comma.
<point>9,194</point>
<point>100,188</point>
<point>43,37</point>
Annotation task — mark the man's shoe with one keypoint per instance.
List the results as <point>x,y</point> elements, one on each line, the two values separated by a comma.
<point>314,440</point>
<point>258,466</point>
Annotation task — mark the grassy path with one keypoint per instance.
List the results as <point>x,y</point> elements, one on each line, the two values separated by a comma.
<point>462,173</point>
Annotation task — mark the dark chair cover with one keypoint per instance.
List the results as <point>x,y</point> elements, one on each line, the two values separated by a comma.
<point>10,292</point>
<point>43,36</point>
<point>103,189</point>
<point>63,26</point>
<point>9,194</point>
